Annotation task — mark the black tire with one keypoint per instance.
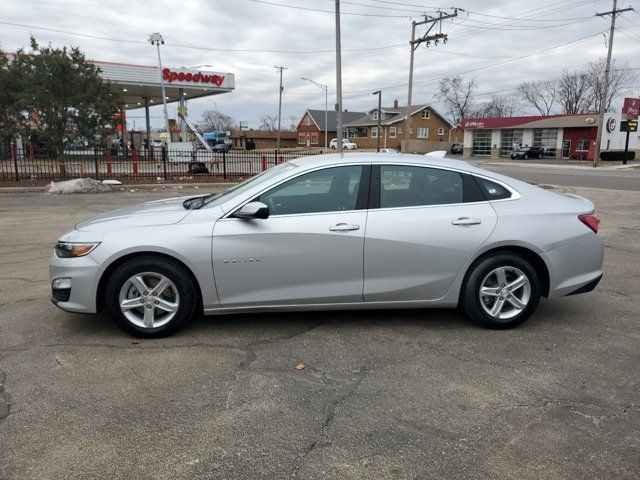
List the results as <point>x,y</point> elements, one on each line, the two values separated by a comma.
<point>471,301</point>
<point>159,265</point>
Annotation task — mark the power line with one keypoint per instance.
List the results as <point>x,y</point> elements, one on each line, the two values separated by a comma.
<point>328,11</point>
<point>195,47</point>
<point>482,67</point>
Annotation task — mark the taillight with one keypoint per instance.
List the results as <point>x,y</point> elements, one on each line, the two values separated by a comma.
<point>591,220</point>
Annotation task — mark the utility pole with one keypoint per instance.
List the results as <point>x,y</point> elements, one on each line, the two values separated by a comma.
<point>379,93</point>
<point>338,82</point>
<point>414,44</point>
<point>279,105</point>
<point>605,88</point>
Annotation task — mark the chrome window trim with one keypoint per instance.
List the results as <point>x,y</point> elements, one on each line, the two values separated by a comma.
<point>515,195</point>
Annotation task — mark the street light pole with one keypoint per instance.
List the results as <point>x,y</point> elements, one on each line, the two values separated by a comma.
<point>379,93</point>
<point>326,105</point>
<point>156,39</point>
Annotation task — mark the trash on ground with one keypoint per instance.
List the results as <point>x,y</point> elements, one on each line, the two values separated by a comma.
<point>78,185</point>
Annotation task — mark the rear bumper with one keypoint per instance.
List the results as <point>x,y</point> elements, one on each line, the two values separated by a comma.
<point>576,267</point>
<point>588,287</point>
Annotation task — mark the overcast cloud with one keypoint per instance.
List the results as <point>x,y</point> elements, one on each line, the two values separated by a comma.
<point>243,24</point>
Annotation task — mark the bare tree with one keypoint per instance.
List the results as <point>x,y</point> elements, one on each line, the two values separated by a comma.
<point>457,95</point>
<point>540,95</point>
<point>213,120</point>
<point>499,106</point>
<point>294,123</point>
<point>620,79</point>
<point>575,93</point>
<point>269,122</point>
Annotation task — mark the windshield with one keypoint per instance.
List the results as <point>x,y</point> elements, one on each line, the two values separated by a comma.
<point>248,184</point>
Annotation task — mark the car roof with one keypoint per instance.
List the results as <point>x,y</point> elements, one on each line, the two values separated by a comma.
<point>374,157</point>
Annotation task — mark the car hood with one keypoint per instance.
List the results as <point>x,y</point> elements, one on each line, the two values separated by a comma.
<point>158,212</point>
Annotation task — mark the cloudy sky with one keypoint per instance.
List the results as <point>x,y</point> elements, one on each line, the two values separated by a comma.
<point>500,43</point>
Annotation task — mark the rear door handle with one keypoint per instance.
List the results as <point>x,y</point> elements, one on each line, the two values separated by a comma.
<point>344,227</point>
<point>465,221</point>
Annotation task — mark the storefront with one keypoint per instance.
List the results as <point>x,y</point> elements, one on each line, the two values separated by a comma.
<point>559,136</point>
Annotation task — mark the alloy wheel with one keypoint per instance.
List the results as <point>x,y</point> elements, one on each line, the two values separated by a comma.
<point>149,300</point>
<point>505,292</point>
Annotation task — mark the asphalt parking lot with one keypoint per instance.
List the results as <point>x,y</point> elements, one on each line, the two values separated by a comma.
<point>390,394</point>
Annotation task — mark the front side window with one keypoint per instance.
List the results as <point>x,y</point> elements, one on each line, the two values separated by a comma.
<point>408,186</point>
<point>327,190</point>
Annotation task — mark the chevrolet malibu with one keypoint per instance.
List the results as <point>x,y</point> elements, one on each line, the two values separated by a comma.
<point>363,231</point>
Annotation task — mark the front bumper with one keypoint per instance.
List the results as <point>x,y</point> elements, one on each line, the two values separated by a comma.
<point>84,273</point>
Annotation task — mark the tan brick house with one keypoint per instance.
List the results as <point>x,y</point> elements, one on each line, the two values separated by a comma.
<point>430,130</point>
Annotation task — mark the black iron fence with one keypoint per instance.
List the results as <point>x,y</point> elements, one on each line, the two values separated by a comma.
<point>154,164</point>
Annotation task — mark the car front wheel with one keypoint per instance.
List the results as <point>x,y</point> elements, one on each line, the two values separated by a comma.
<point>151,296</point>
<point>501,291</point>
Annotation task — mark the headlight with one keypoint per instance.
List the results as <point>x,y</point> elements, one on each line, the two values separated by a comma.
<point>74,249</point>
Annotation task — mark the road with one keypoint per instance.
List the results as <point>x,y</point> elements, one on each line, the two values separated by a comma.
<point>384,394</point>
<point>583,176</point>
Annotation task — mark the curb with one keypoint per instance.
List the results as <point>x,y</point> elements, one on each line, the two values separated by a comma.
<point>126,187</point>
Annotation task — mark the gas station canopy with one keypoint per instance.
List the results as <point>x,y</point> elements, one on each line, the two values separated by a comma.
<point>140,83</point>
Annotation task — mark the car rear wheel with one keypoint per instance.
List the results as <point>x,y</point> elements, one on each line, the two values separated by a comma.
<point>501,291</point>
<point>151,297</point>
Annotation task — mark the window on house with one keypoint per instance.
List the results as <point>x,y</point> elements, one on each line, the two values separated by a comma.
<point>307,120</point>
<point>441,131</point>
<point>302,139</point>
<point>392,132</point>
<point>582,146</point>
<point>425,114</point>
<point>423,132</point>
<point>374,115</point>
<point>374,132</point>
<point>314,139</point>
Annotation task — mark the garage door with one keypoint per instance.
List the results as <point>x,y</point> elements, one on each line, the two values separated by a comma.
<point>482,142</point>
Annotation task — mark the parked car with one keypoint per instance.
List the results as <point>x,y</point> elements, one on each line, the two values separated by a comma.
<point>525,153</point>
<point>364,231</point>
<point>388,150</point>
<point>456,148</point>
<point>221,147</point>
<point>346,144</point>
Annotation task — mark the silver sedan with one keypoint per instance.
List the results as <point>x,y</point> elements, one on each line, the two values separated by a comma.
<point>330,232</point>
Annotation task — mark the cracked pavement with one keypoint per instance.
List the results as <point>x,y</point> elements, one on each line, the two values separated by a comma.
<point>384,394</point>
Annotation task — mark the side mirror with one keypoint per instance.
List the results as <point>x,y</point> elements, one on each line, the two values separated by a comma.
<point>253,210</point>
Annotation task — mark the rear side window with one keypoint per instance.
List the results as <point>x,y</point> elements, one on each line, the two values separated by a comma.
<point>408,186</point>
<point>493,190</point>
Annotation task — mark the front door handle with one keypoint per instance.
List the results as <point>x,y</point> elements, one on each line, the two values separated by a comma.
<point>465,221</point>
<point>344,227</point>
